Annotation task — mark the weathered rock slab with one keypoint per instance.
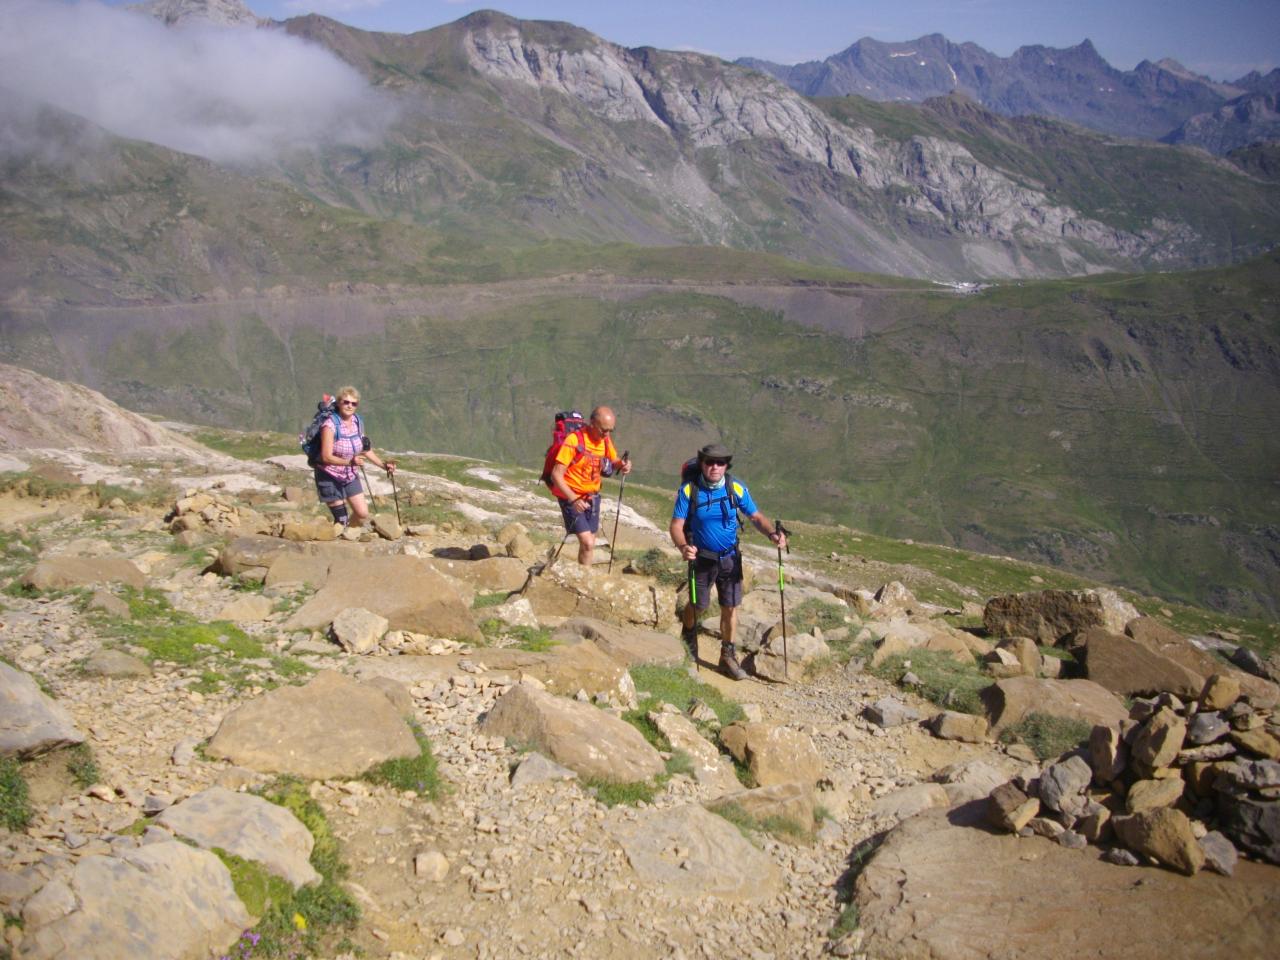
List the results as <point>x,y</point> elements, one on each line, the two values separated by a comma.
<point>247,826</point>
<point>690,852</point>
<point>30,722</point>
<point>181,905</point>
<point>1009,701</point>
<point>332,727</point>
<point>63,573</point>
<point>583,738</point>
<point>920,897</point>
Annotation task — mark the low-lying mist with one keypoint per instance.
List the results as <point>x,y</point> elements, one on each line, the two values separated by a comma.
<point>239,95</point>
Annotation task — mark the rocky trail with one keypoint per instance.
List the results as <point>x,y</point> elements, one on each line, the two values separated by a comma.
<point>213,710</point>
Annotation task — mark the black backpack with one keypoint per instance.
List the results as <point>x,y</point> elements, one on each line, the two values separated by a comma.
<point>326,412</point>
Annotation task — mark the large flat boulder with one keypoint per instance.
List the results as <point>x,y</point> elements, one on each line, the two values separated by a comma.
<point>162,901</point>
<point>492,574</point>
<point>1008,701</point>
<point>1168,643</point>
<point>30,722</point>
<point>1048,616</point>
<point>711,768</point>
<point>921,897</point>
<point>251,553</point>
<point>627,645</point>
<point>64,573</point>
<point>790,802</point>
<point>690,852</point>
<point>564,669</point>
<point>332,727</point>
<point>247,826</point>
<point>1129,668</point>
<point>289,567</point>
<point>586,739</point>
<point>405,590</point>
<point>570,590</point>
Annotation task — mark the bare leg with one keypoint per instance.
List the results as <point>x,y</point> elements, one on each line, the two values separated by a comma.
<point>728,623</point>
<point>586,544</point>
<point>359,510</point>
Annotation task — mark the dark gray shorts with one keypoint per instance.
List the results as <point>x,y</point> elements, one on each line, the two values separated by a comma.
<point>332,490</point>
<point>586,522</point>
<point>725,573</point>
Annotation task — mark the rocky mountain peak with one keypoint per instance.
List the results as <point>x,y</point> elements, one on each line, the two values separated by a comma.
<point>222,13</point>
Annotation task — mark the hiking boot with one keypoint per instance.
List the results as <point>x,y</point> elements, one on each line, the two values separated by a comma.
<point>729,663</point>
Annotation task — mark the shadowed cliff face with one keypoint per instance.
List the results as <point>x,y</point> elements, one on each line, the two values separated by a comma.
<point>1119,427</point>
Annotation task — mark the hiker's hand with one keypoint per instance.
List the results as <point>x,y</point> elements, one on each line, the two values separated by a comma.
<point>623,467</point>
<point>779,538</point>
<point>582,504</point>
<point>358,460</point>
<point>689,552</point>
<point>390,466</point>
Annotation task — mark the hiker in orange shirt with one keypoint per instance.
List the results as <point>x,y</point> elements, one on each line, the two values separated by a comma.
<point>575,478</point>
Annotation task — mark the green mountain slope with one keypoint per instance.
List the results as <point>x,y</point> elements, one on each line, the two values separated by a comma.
<point>1120,426</point>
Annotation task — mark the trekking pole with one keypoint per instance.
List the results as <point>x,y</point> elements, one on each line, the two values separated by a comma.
<point>782,593</point>
<point>373,501</point>
<point>396,494</point>
<point>613,541</point>
<point>554,556</point>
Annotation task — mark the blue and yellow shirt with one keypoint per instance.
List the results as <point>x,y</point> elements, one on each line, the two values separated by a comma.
<point>715,522</point>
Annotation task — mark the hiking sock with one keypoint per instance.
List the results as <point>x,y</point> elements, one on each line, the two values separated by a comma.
<point>340,514</point>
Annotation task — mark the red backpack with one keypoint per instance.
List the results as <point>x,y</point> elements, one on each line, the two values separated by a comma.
<point>567,422</point>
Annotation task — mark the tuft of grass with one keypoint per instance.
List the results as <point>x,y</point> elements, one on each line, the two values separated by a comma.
<point>943,679</point>
<point>248,446</point>
<point>82,766</point>
<point>1047,736</point>
<point>816,613</point>
<point>257,888</point>
<point>484,600</point>
<point>15,801</point>
<point>175,636</point>
<point>295,923</point>
<point>779,827</point>
<point>627,794</point>
<point>846,923</point>
<point>680,764</point>
<point>667,570</point>
<point>532,639</point>
<point>420,773</point>
<point>656,685</point>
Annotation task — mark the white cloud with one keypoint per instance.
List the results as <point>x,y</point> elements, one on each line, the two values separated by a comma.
<point>235,95</point>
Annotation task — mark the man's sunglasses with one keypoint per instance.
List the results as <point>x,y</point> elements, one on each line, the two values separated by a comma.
<point>716,463</point>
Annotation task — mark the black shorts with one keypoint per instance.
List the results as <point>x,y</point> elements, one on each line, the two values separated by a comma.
<point>332,490</point>
<point>586,522</point>
<point>725,573</point>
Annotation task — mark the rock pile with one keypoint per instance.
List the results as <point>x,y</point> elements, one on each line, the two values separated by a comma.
<point>1181,784</point>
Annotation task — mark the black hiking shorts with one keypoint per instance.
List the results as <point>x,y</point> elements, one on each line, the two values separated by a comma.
<point>331,490</point>
<point>586,522</point>
<point>726,573</point>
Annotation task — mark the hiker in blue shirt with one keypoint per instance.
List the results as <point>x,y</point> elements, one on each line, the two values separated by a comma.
<point>704,527</point>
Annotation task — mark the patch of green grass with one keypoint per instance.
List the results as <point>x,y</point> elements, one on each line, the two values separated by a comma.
<point>780,827</point>
<point>257,888</point>
<point>943,679</point>
<point>656,685</point>
<point>532,639</point>
<point>15,801</point>
<point>175,636</point>
<point>456,469</point>
<point>420,773</point>
<point>1047,736</point>
<point>257,445</point>
<point>82,766</point>
<point>1058,653</point>
<point>483,600</point>
<point>680,764</point>
<point>626,794</point>
<point>812,613</point>
<point>297,924</point>
<point>846,923</point>
<point>671,571</point>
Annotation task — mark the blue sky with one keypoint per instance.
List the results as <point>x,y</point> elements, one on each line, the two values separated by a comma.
<point>1223,38</point>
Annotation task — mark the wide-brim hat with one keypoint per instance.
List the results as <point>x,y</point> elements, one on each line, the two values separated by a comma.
<point>714,451</point>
